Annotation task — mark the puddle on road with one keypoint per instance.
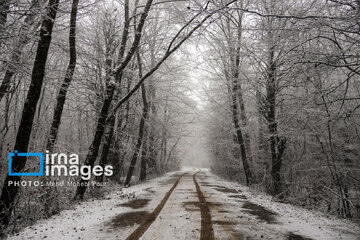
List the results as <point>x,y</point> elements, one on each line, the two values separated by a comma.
<point>149,190</point>
<point>170,180</point>
<point>226,190</point>
<point>260,212</point>
<point>210,185</point>
<point>223,222</point>
<point>185,189</point>
<point>223,211</point>
<point>195,206</point>
<point>135,204</point>
<point>237,196</point>
<point>127,219</point>
<point>204,183</point>
<point>191,204</point>
<point>293,236</point>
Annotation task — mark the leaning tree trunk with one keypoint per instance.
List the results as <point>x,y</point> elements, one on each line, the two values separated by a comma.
<point>235,112</point>
<point>144,150</point>
<point>94,147</point>
<point>60,100</point>
<point>236,98</point>
<point>9,192</point>
<point>243,116</point>
<point>116,77</point>
<point>142,130</point>
<point>239,136</point>
<point>109,132</point>
<point>139,140</point>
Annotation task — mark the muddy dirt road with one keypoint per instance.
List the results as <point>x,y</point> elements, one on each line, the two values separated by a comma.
<point>189,204</point>
<point>193,211</point>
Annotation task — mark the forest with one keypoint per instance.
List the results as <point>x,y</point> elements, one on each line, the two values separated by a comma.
<point>272,88</point>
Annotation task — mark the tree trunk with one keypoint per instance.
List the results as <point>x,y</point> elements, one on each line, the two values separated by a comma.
<point>116,77</point>
<point>139,141</point>
<point>9,192</point>
<point>245,123</point>
<point>164,141</point>
<point>142,129</point>
<point>236,98</point>
<point>106,146</point>
<point>144,152</point>
<point>236,90</point>
<point>110,123</point>
<point>277,144</point>
<point>240,139</point>
<point>94,147</point>
<point>145,106</point>
<point>60,100</point>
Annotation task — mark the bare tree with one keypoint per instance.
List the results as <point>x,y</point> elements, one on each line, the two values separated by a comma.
<point>9,191</point>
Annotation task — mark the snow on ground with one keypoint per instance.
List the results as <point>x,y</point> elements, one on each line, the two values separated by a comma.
<point>179,219</point>
<point>288,218</point>
<point>237,213</point>
<point>91,219</point>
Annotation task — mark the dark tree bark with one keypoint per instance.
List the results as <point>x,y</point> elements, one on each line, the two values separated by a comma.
<point>239,135</point>
<point>142,129</point>
<point>144,152</point>
<point>109,132</point>
<point>277,144</point>
<point>94,147</point>
<point>143,162</point>
<point>4,9</point>
<point>245,123</point>
<point>164,142</point>
<point>107,144</point>
<point>139,140</point>
<point>60,100</point>
<point>152,144</point>
<point>116,77</point>
<point>236,93</point>
<point>9,192</point>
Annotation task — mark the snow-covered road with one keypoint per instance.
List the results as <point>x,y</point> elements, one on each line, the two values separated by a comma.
<point>172,207</point>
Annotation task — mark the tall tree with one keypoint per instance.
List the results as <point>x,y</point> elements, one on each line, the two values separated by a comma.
<point>60,100</point>
<point>116,76</point>
<point>142,130</point>
<point>139,139</point>
<point>9,191</point>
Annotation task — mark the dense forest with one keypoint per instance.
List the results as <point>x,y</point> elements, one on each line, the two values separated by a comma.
<point>113,81</point>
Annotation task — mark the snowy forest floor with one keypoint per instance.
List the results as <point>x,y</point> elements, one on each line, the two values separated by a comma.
<point>189,204</point>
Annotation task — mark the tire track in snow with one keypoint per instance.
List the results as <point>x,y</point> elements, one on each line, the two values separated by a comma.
<point>151,218</point>
<point>207,232</point>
